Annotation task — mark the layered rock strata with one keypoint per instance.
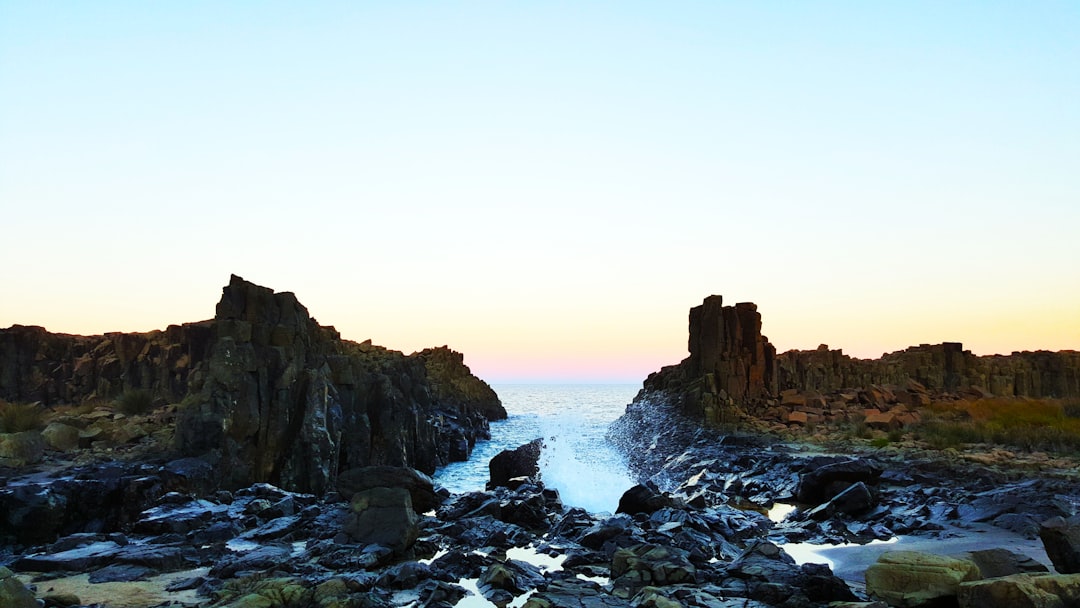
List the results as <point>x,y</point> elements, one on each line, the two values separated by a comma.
<point>268,394</point>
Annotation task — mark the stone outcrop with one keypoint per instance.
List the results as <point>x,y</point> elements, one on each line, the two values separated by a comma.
<point>730,361</point>
<point>267,393</point>
<point>938,367</point>
<point>36,365</point>
<point>733,372</point>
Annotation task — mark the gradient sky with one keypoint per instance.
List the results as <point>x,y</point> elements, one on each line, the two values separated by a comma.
<point>549,187</point>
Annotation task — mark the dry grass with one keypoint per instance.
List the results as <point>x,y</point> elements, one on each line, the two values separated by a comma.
<point>19,417</point>
<point>1028,424</point>
<point>135,401</point>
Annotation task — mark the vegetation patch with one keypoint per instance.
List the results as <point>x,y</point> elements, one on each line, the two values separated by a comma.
<point>1028,424</point>
<point>135,401</point>
<point>19,417</point>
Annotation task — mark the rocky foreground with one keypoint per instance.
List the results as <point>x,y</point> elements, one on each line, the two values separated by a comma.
<point>280,466</point>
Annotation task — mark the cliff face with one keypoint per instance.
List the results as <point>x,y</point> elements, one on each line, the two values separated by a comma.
<point>942,367</point>
<point>36,365</point>
<point>268,393</point>
<point>732,368</point>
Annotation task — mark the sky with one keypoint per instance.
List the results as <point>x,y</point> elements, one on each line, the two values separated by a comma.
<point>548,187</point>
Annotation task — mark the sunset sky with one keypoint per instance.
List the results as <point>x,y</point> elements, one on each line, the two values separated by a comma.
<point>548,187</point>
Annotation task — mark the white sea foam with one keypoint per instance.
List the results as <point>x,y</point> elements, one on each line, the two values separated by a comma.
<point>577,459</point>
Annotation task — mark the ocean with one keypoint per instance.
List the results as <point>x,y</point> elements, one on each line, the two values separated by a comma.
<point>572,419</point>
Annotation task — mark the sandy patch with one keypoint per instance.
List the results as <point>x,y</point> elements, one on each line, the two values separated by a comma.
<point>135,594</point>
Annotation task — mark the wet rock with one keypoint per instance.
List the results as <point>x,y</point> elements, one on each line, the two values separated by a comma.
<point>178,518</point>
<point>421,488</point>
<point>852,501</point>
<point>1061,538</point>
<point>768,574</point>
<point>61,437</point>
<point>383,516</point>
<point>261,558</point>
<point>1022,591</point>
<point>514,576</point>
<point>120,573</point>
<point>993,563</point>
<point>89,557</point>
<point>404,576</point>
<point>13,594</point>
<point>273,529</point>
<point>217,532</point>
<point>913,578</point>
<point>32,514</point>
<point>822,483</point>
<point>574,593</point>
<point>649,565</point>
<point>644,498</point>
<point>522,461</point>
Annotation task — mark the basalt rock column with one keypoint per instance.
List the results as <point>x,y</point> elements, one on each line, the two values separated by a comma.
<point>730,362</point>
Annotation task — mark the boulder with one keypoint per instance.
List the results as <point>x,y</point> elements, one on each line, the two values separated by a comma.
<point>852,501</point>
<point>522,461</point>
<point>643,498</point>
<point>913,578</point>
<point>993,563</point>
<point>1022,591</point>
<point>19,449</point>
<point>822,483</point>
<point>421,488</point>
<point>13,594</point>
<point>649,565</point>
<point>383,516</point>
<point>61,437</point>
<point>1061,537</point>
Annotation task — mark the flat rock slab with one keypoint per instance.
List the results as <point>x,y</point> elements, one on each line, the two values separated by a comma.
<point>89,557</point>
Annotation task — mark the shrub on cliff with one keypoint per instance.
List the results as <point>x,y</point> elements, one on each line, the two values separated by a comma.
<point>19,417</point>
<point>135,401</point>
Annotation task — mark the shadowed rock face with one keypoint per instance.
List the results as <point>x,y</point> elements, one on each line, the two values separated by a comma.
<point>269,394</point>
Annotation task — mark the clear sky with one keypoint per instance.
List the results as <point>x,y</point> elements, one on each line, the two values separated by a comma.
<point>548,187</point>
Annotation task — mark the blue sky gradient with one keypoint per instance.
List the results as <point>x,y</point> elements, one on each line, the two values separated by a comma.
<point>548,187</point>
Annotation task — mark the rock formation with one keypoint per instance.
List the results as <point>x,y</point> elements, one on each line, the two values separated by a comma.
<point>267,393</point>
<point>732,369</point>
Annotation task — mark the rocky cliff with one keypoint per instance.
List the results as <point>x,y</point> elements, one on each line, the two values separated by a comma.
<point>267,393</point>
<point>732,368</point>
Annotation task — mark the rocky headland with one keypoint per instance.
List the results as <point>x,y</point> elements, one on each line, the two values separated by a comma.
<point>852,447</point>
<point>258,460</point>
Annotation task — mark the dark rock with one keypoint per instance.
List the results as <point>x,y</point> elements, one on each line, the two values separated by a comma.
<point>574,593</point>
<point>404,576</point>
<point>120,573</point>
<point>421,488</point>
<point>262,558</point>
<point>383,516</point>
<point>273,529</point>
<point>1002,562</point>
<point>523,461</point>
<point>822,483</point>
<point>649,565</point>
<point>89,557</point>
<point>180,519</point>
<point>1061,538</point>
<point>643,498</point>
<point>852,501</point>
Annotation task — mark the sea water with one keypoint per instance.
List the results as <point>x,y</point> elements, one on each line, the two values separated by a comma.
<point>572,420</point>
